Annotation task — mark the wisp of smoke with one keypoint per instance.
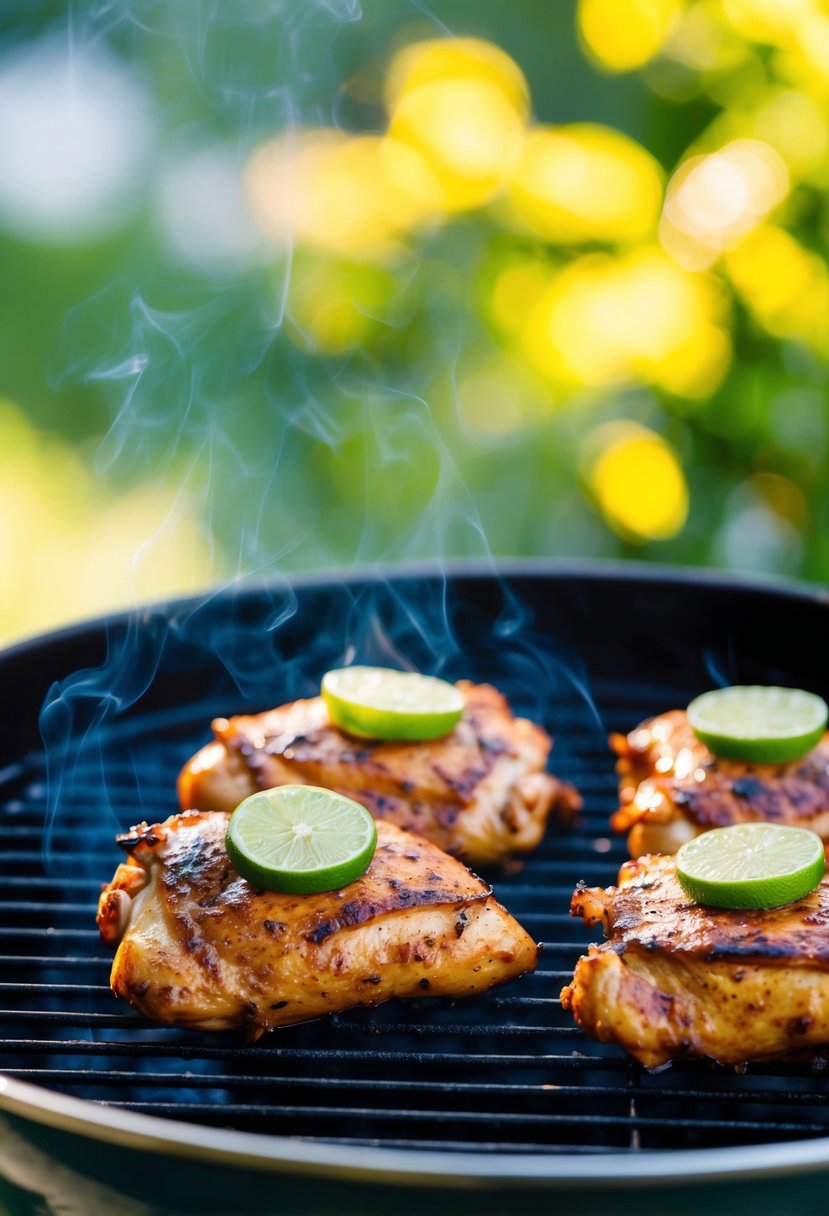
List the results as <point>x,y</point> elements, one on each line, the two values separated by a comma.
<point>205,388</point>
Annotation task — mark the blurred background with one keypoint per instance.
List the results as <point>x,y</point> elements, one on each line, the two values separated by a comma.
<point>297,284</point>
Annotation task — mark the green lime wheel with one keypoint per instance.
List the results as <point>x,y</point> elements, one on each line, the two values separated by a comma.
<point>379,703</point>
<point>751,865</point>
<point>759,723</point>
<point>300,839</point>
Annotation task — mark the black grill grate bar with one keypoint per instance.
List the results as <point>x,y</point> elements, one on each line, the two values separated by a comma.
<point>69,961</point>
<point>470,1030</point>
<point>82,1077</point>
<point>57,989</point>
<point>587,744</point>
<point>78,1017</point>
<point>17,1017</point>
<point>36,882</point>
<point>20,905</point>
<point>16,831</point>
<point>35,856</point>
<point>54,932</point>
<point>523,1002</point>
<point>491,1118</point>
<point>565,866</point>
<point>94,1076</point>
<point>335,1057</point>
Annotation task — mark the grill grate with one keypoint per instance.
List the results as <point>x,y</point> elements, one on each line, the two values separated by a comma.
<point>506,1072</point>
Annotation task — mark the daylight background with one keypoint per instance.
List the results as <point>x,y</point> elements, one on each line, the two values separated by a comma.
<point>298,284</point>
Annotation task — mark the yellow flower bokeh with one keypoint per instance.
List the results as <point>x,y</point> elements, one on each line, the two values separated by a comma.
<point>351,195</point>
<point>607,320</point>
<point>468,133</point>
<point>785,286</point>
<point>612,273</point>
<point>624,34</point>
<point>637,481</point>
<point>714,201</point>
<point>582,183</point>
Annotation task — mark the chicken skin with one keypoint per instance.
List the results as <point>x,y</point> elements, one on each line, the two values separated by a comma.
<point>672,788</point>
<point>201,947</point>
<point>677,980</point>
<point>480,793</point>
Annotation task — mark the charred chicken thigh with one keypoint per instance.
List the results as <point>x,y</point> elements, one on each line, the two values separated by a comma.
<point>672,788</point>
<point>480,793</point>
<point>677,980</point>
<point>200,946</point>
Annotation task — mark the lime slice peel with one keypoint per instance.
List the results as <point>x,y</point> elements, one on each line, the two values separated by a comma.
<point>751,865</point>
<point>761,724</point>
<point>381,703</point>
<point>300,839</point>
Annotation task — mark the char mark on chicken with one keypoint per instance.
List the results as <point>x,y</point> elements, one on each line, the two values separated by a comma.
<point>481,793</point>
<point>676,980</point>
<point>671,787</point>
<point>199,946</point>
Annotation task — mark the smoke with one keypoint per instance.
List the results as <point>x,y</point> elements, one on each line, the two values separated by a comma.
<point>273,385</point>
<point>292,420</point>
<point>116,733</point>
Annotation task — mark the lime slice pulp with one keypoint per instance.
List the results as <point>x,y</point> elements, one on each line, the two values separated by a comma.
<point>379,703</point>
<point>758,723</point>
<point>751,865</point>
<point>300,839</point>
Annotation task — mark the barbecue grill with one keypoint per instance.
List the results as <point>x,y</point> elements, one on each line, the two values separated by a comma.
<point>498,1100</point>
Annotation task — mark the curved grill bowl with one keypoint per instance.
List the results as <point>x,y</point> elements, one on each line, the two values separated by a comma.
<point>495,1101</point>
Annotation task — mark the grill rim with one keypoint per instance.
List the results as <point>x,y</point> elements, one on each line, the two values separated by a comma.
<point>379,1164</point>
<point>503,569</point>
<point>410,1167</point>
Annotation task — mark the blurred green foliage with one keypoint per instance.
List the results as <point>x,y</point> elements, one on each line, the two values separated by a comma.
<point>239,380</point>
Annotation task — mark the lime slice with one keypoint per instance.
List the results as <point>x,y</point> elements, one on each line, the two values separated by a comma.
<point>751,865</point>
<point>300,839</point>
<point>762,724</point>
<point>378,703</point>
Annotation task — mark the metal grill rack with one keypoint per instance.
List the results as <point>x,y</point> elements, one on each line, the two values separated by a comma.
<point>508,1072</point>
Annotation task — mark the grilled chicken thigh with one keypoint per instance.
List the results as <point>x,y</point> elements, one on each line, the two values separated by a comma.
<point>481,793</point>
<point>672,788</point>
<point>199,946</point>
<point>677,980</point>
